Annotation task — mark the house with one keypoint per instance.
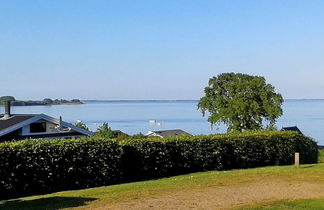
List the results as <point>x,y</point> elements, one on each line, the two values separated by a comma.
<point>293,128</point>
<point>25,126</point>
<point>167,133</point>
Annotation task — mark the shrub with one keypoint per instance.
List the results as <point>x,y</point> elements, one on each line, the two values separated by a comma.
<point>42,166</point>
<point>153,157</point>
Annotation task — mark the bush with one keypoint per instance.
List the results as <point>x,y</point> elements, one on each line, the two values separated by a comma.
<point>152,158</point>
<point>42,166</point>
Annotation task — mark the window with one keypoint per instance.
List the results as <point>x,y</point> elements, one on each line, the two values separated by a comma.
<point>38,127</point>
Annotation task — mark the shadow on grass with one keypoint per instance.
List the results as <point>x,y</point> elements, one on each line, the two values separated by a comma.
<point>308,166</point>
<point>46,203</point>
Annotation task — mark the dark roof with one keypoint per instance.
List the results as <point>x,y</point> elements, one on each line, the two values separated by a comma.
<point>119,132</point>
<point>166,133</point>
<point>293,128</point>
<point>13,120</point>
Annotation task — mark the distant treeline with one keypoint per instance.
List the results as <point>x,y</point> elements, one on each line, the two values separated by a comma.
<point>46,101</point>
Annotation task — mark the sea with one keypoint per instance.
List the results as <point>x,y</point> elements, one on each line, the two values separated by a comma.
<point>133,117</point>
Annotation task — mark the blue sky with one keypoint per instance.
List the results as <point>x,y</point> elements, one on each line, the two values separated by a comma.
<point>157,49</point>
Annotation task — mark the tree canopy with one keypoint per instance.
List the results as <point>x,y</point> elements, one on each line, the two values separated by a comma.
<point>105,131</point>
<point>3,99</point>
<point>241,101</point>
<point>82,125</point>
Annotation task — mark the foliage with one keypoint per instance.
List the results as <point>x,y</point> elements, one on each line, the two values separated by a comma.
<point>81,124</point>
<point>155,157</point>
<point>321,156</point>
<point>76,101</point>
<point>40,166</point>
<point>241,101</point>
<point>105,131</point>
<point>139,136</point>
<point>46,101</point>
<point>3,99</point>
<point>119,135</point>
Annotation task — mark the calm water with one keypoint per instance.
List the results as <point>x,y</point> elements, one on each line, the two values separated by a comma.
<point>133,116</point>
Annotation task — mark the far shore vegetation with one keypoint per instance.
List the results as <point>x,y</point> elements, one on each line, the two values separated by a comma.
<point>44,102</point>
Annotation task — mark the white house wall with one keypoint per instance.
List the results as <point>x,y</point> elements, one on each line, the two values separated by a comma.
<point>50,129</point>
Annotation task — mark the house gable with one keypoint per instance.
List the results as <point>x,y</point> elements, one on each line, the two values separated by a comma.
<point>50,124</point>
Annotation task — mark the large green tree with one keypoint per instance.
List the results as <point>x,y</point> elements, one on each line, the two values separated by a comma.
<point>241,101</point>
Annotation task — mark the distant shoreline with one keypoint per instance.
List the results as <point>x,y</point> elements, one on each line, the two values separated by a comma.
<point>130,101</point>
<point>1,105</point>
<point>176,100</point>
<point>44,102</point>
<point>139,101</point>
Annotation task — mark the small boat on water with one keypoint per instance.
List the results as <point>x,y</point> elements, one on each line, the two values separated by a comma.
<point>152,121</point>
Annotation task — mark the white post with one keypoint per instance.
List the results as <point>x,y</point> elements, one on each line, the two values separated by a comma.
<point>297,160</point>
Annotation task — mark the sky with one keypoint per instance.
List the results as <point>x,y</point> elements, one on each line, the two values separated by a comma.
<point>157,49</point>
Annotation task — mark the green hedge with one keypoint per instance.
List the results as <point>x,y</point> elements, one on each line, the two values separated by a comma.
<point>154,158</point>
<point>41,166</point>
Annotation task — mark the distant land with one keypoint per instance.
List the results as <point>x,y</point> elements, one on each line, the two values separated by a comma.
<point>48,101</point>
<point>171,100</point>
<point>45,102</point>
<point>147,100</point>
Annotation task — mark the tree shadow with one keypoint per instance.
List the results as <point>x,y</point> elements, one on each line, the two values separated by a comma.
<point>52,203</point>
<point>307,166</point>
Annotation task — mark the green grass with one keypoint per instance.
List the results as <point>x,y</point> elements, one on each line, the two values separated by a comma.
<point>131,191</point>
<point>292,204</point>
<point>314,204</point>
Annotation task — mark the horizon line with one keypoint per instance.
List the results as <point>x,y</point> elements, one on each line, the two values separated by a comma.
<point>180,99</point>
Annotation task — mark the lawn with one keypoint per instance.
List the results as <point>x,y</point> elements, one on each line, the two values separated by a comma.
<point>196,183</point>
<point>314,204</point>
